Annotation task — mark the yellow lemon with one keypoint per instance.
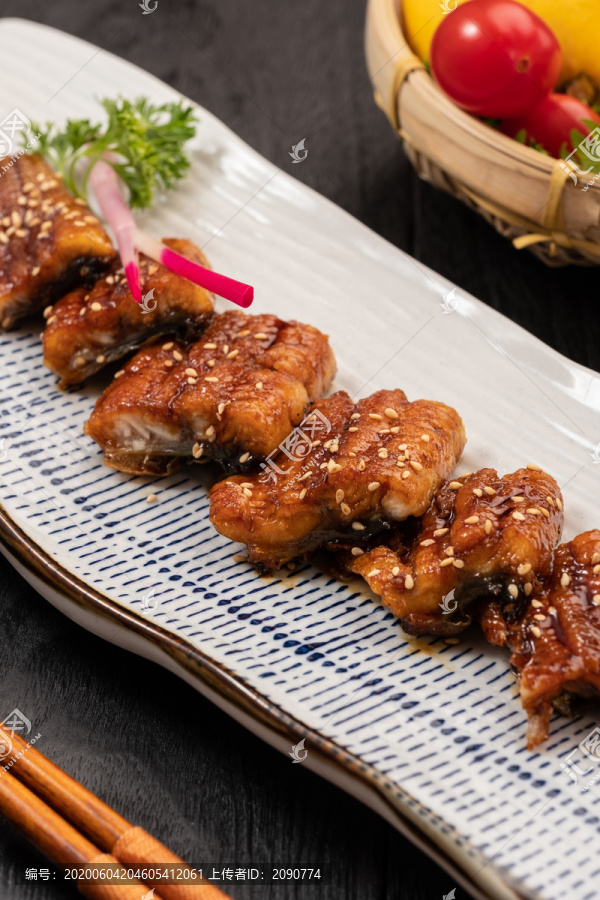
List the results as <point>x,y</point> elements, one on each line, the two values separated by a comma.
<point>575,23</point>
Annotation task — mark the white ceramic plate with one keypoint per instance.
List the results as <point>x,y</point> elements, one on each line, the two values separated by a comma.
<point>431,735</point>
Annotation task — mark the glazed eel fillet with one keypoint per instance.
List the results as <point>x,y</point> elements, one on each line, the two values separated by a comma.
<point>49,241</point>
<point>91,327</point>
<point>484,535</point>
<point>555,642</point>
<point>232,396</point>
<point>372,462</point>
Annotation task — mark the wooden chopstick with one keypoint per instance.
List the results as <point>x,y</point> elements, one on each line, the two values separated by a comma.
<point>59,841</point>
<point>110,832</point>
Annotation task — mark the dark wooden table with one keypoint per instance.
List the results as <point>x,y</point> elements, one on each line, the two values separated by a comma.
<point>275,71</point>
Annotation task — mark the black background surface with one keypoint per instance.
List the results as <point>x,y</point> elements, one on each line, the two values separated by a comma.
<point>275,71</point>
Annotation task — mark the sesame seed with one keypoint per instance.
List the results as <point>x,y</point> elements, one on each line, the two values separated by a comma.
<point>449,551</point>
<point>355,416</point>
<point>439,532</point>
<point>595,558</point>
<point>416,465</point>
<point>375,416</point>
<point>551,610</point>
<point>513,590</point>
<point>406,474</point>
<point>339,496</point>
<point>169,363</point>
<point>565,580</point>
<point>544,512</point>
<point>83,311</point>
<point>596,570</point>
<point>452,641</point>
<point>517,499</point>
<point>596,599</point>
<point>101,358</point>
<point>210,362</point>
<point>239,557</point>
<point>16,219</point>
<point>225,349</point>
<point>540,617</point>
<point>3,238</point>
<point>446,562</point>
<point>302,494</point>
<point>536,604</point>
<point>21,200</point>
<point>519,516</point>
<point>151,498</point>
<point>373,572</point>
<point>534,467</point>
<point>259,385</point>
<point>488,526</point>
<point>402,447</point>
<point>373,485</point>
<point>550,501</point>
<point>425,437</point>
<point>559,503</point>
<point>361,465</point>
<point>472,520</point>
<point>210,346</point>
<point>47,311</point>
<point>212,378</point>
<point>243,333</point>
<point>305,476</point>
<point>533,511</point>
<point>244,457</point>
<point>524,569</point>
<point>51,320</point>
<point>409,582</point>
<point>80,361</point>
<point>210,430</point>
<point>536,631</point>
<point>527,588</point>
<point>356,551</point>
<point>391,413</point>
<point>21,232</point>
<point>427,542</point>
<point>345,509</point>
<point>261,336</point>
<point>194,374</point>
<point>478,492</point>
<point>353,428</point>
<point>358,526</point>
<point>458,563</point>
<point>195,381</point>
<point>96,306</point>
<point>197,451</point>
<point>80,223</point>
<point>382,454</point>
<point>455,485</point>
<point>177,355</point>
<point>247,492</point>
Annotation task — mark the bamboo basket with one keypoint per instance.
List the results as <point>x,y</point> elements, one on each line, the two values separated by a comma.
<point>528,197</point>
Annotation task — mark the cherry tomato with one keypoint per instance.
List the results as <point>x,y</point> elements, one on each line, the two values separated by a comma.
<point>551,122</point>
<point>495,58</point>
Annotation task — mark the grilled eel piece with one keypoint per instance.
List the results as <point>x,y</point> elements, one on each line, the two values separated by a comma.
<point>555,642</point>
<point>89,328</point>
<point>232,396</point>
<point>482,535</point>
<point>376,461</point>
<point>49,241</point>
